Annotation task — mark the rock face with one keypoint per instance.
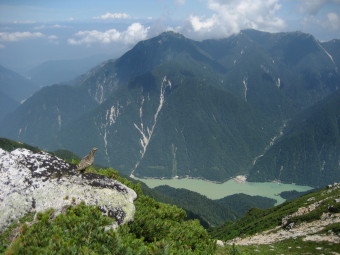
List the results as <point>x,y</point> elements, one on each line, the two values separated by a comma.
<point>34,182</point>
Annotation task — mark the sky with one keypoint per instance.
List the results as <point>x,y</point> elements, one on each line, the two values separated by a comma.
<point>35,31</point>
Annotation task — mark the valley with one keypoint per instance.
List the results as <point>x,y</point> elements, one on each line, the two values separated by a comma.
<point>201,127</point>
<point>255,103</point>
<point>219,190</point>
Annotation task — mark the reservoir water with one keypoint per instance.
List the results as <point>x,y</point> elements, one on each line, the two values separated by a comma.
<point>216,190</point>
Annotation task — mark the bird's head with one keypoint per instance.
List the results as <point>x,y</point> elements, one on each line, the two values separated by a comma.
<point>94,149</point>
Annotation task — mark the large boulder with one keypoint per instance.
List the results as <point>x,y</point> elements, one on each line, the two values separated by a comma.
<point>34,182</point>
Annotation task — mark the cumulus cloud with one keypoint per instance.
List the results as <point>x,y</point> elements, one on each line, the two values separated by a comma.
<point>314,6</point>
<point>109,15</point>
<point>18,36</point>
<point>231,16</point>
<point>131,35</point>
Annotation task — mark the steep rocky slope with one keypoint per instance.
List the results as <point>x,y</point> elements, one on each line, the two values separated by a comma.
<point>172,106</point>
<point>308,152</point>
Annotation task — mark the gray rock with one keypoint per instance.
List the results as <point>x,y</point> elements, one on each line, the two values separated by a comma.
<point>311,199</point>
<point>34,182</point>
<point>220,243</point>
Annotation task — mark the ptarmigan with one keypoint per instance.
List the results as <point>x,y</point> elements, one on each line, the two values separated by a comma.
<point>86,161</point>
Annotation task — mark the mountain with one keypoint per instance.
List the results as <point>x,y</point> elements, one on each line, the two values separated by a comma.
<point>308,151</point>
<point>278,73</point>
<point>172,106</point>
<point>332,49</point>
<point>61,71</point>
<point>15,86</point>
<point>43,115</point>
<point>210,212</point>
<point>7,105</point>
<point>10,145</point>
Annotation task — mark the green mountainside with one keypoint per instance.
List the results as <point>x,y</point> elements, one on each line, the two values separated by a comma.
<point>304,225</point>
<point>172,106</point>
<point>257,220</point>
<point>9,145</point>
<point>7,105</point>
<point>210,212</point>
<point>308,152</point>
<point>39,120</point>
<point>332,47</point>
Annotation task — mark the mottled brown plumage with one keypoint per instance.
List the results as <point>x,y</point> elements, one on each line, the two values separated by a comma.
<point>86,161</point>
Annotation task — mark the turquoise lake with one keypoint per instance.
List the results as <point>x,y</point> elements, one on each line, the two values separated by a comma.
<point>216,191</point>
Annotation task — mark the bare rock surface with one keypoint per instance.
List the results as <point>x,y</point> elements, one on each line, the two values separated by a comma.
<point>308,230</point>
<point>34,182</point>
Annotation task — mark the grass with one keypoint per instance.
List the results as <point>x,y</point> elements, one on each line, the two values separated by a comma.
<point>287,247</point>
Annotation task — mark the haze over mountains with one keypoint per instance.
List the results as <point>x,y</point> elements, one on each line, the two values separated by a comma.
<point>62,71</point>
<point>14,89</point>
<point>172,106</point>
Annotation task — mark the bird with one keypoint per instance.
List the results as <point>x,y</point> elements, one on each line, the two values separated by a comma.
<point>86,161</point>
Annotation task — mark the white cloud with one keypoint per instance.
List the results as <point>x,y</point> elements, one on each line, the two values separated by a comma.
<point>231,16</point>
<point>24,22</point>
<point>109,15</point>
<point>133,34</point>
<point>333,20</point>
<point>18,36</point>
<point>329,21</point>
<point>59,26</point>
<point>39,27</point>
<point>53,37</point>
<point>314,6</point>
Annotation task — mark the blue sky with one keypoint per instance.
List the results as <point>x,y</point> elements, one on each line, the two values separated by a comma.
<point>34,31</point>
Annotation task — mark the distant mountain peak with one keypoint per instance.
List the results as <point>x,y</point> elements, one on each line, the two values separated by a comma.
<point>172,34</point>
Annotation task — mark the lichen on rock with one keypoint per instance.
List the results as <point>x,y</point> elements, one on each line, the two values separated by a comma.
<point>34,182</point>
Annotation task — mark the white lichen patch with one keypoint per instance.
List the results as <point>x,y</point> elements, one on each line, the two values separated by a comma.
<point>34,182</point>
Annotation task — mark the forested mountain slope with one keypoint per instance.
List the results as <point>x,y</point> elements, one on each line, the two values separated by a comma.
<point>172,106</point>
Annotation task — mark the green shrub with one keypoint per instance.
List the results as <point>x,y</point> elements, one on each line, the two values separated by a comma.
<point>157,229</point>
<point>335,228</point>
<point>335,208</point>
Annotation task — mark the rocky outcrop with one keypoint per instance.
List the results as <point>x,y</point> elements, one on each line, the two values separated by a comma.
<point>34,182</point>
<point>307,230</point>
<point>301,211</point>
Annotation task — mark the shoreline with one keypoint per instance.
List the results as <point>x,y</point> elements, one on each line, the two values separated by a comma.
<point>240,179</point>
<point>218,190</point>
<point>179,178</point>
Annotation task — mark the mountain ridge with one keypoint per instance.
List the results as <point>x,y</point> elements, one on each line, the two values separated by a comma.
<point>172,106</point>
